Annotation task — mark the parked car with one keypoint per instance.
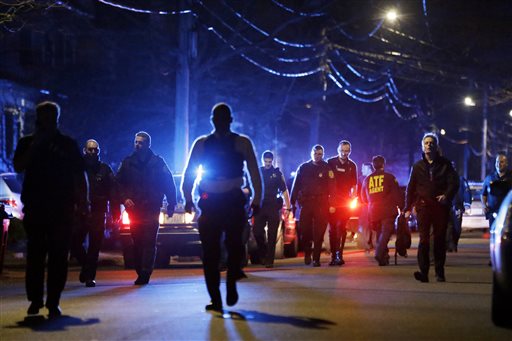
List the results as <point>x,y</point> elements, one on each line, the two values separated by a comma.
<point>288,227</point>
<point>287,241</point>
<point>501,258</point>
<point>177,236</point>
<point>10,192</point>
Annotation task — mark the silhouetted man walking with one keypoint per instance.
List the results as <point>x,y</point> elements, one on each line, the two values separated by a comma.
<point>54,188</point>
<point>222,155</point>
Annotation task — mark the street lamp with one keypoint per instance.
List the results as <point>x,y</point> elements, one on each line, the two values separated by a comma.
<point>510,113</point>
<point>468,101</point>
<point>391,15</point>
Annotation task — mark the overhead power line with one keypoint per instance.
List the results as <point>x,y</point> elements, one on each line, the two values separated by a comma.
<point>375,68</point>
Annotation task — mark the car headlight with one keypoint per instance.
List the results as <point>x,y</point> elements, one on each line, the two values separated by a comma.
<point>189,217</point>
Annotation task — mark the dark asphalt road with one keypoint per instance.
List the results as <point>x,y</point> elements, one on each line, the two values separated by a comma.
<point>359,301</point>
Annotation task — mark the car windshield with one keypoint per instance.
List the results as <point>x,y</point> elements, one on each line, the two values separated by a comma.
<point>13,183</point>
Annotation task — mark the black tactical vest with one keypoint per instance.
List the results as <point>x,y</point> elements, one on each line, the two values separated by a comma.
<point>222,160</point>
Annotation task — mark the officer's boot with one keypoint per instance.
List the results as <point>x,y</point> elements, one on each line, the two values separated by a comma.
<point>335,258</point>
<point>339,256</point>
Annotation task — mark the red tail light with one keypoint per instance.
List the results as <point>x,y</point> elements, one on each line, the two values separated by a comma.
<point>125,219</point>
<point>353,203</point>
<point>11,202</point>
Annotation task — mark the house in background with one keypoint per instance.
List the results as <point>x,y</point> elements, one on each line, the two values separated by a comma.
<point>17,107</point>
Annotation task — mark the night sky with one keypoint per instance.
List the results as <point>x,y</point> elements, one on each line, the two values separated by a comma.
<point>295,72</point>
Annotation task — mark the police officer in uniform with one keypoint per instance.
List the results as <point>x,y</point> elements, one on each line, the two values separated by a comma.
<point>496,187</point>
<point>381,192</point>
<point>274,185</point>
<point>143,179</point>
<point>345,173</point>
<point>313,188</point>
<point>102,194</point>
<point>222,156</point>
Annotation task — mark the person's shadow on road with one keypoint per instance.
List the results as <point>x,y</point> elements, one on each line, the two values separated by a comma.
<point>42,324</point>
<point>297,321</point>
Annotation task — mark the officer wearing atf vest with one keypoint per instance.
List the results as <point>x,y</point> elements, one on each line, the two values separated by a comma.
<point>345,173</point>
<point>269,215</point>
<point>381,192</point>
<point>222,156</point>
<point>313,188</point>
<point>102,194</point>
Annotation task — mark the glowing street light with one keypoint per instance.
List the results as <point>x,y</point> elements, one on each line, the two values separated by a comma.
<point>392,15</point>
<point>510,113</point>
<point>443,132</point>
<point>469,102</point>
<point>483,102</point>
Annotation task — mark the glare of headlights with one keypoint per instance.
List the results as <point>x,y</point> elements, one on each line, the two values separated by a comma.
<point>189,217</point>
<point>353,203</point>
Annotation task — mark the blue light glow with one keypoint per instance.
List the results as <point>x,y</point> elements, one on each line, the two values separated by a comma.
<point>138,10</point>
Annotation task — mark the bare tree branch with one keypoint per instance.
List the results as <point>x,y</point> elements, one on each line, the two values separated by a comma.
<point>13,14</point>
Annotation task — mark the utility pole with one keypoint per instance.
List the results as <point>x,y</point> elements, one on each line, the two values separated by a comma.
<point>314,126</point>
<point>182,105</point>
<point>485,108</point>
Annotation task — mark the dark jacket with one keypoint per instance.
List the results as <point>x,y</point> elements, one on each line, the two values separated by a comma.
<point>427,181</point>
<point>273,184</point>
<point>381,192</point>
<point>345,176</point>
<point>313,184</point>
<point>495,188</point>
<point>102,188</point>
<point>222,160</point>
<point>54,179</point>
<point>145,183</point>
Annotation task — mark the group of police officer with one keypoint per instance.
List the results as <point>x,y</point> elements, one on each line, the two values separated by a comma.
<point>56,175</point>
<point>435,191</point>
<point>66,195</point>
<point>324,191</point>
<point>140,185</point>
